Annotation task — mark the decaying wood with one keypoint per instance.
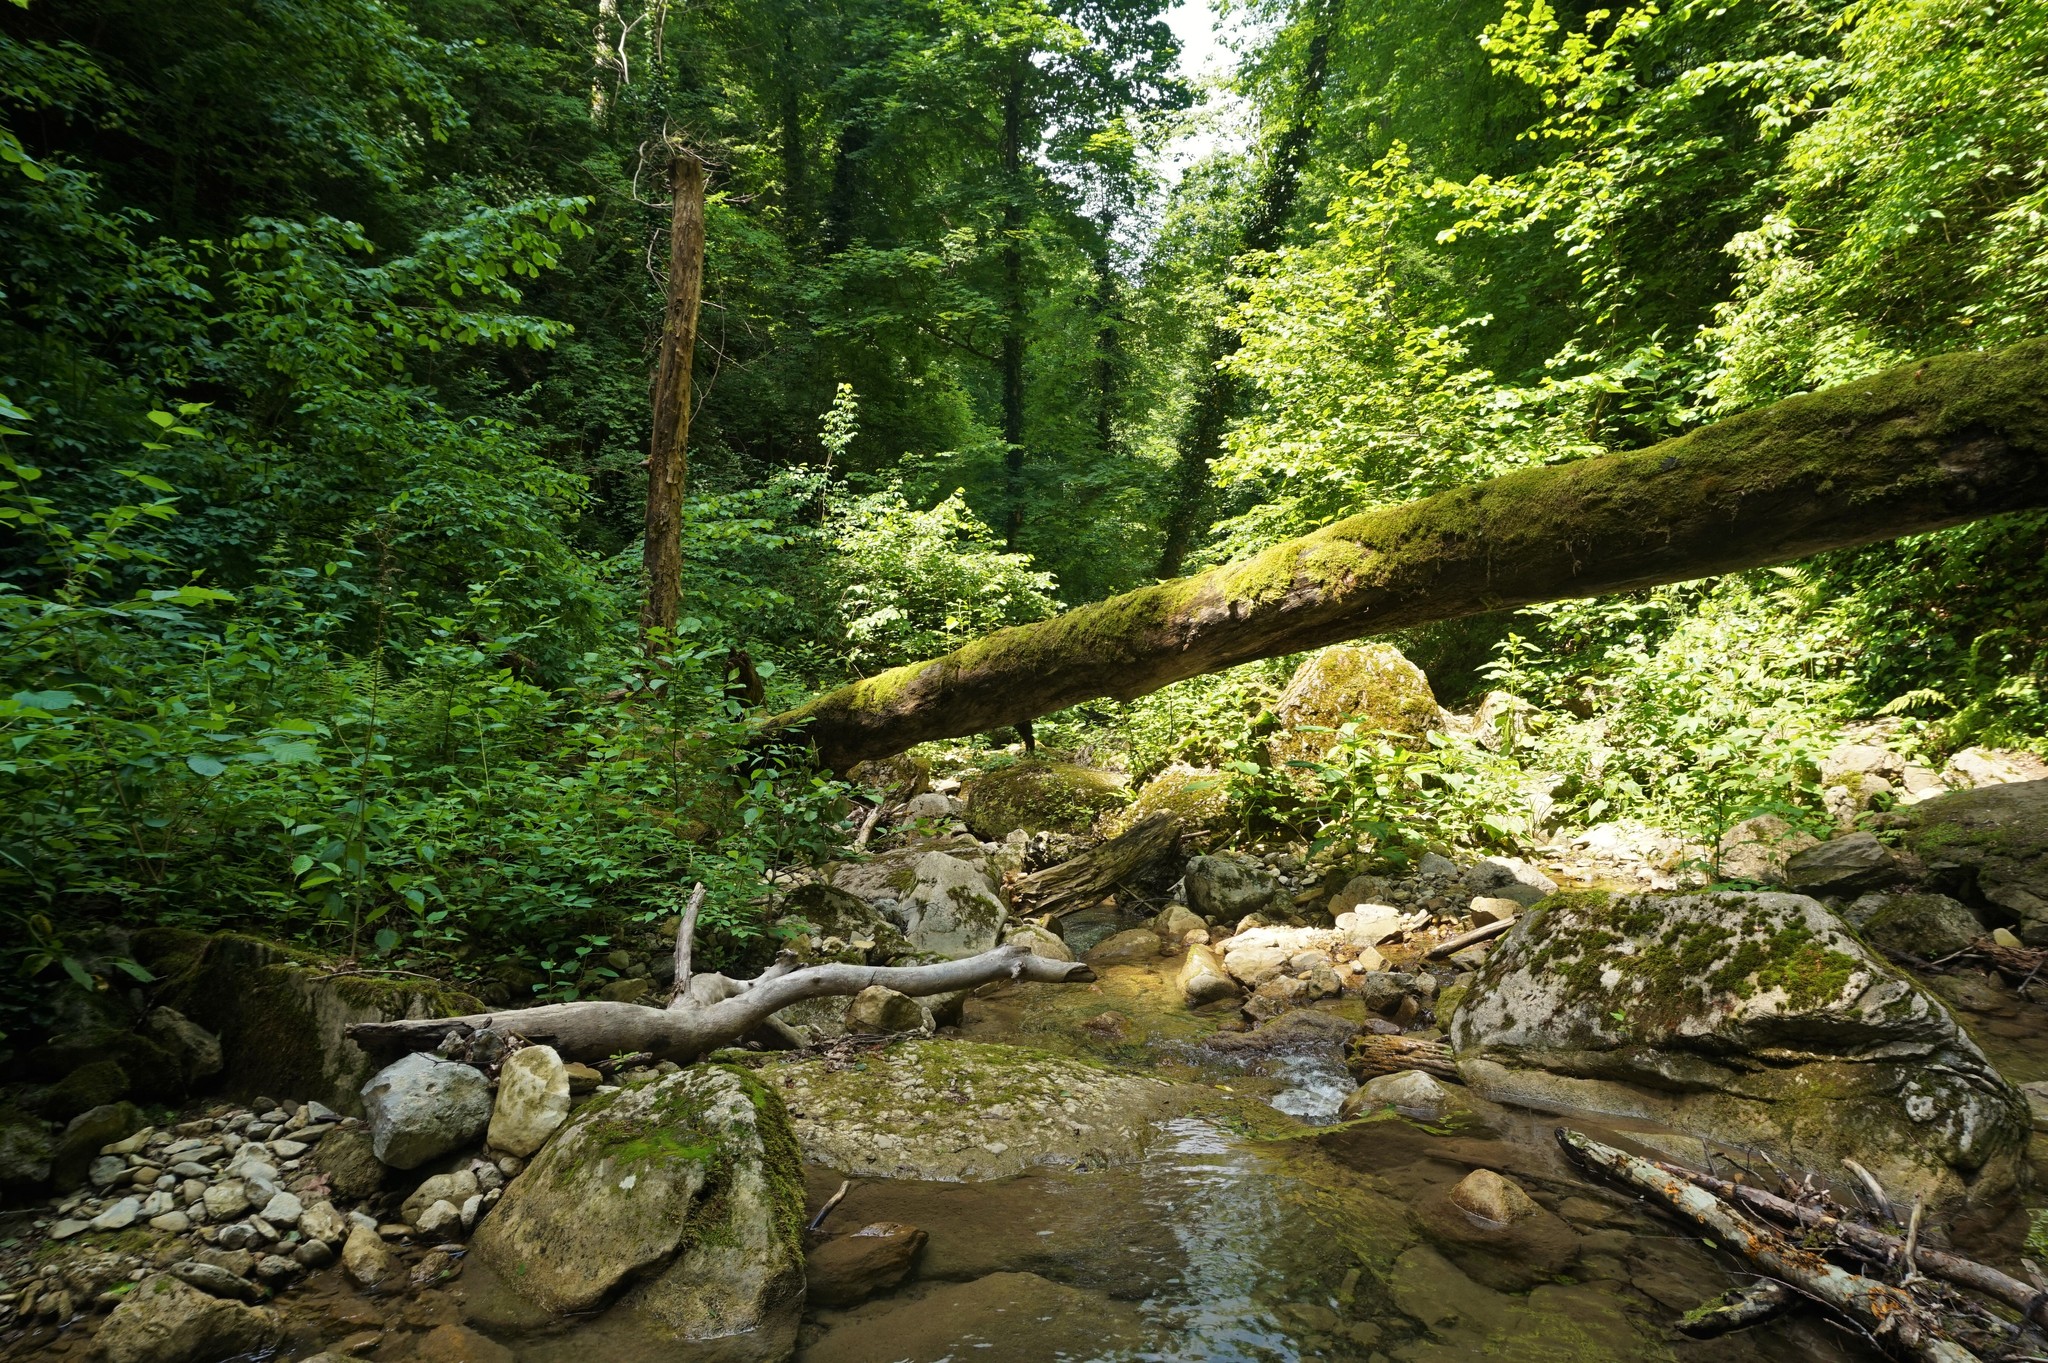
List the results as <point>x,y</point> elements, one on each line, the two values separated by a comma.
<point>830,1203</point>
<point>1889,1314</point>
<point>1369,1056</point>
<point>686,934</point>
<point>1917,448</point>
<point>668,467</point>
<point>1465,939</point>
<point>1737,1309</point>
<point>1089,878</point>
<point>867,826</point>
<point>2029,1301</point>
<point>688,1029</point>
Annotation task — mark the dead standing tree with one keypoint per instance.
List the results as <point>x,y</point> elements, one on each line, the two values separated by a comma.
<point>668,463</point>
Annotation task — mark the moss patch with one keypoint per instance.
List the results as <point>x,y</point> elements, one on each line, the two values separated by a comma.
<point>1054,797</point>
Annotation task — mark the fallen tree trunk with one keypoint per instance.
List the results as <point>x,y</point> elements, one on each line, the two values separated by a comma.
<point>1369,1056</point>
<point>1891,1315</point>
<point>688,1028</point>
<point>1918,448</point>
<point>1088,878</point>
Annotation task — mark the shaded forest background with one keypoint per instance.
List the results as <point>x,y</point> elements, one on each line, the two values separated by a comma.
<point>325,333</point>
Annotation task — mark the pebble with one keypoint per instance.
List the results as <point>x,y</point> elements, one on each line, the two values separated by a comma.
<point>120,1216</point>
<point>175,1222</point>
<point>283,1209</point>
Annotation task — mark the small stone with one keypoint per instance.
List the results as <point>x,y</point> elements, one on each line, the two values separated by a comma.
<point>213,1280</point>
<point>2005,937</point>
<point>1488,1196</point>
<point>1487,910</point>
<point>582,1078</point>
<point>283,1209</point>
<point>64,1230</point>
<point>314,1254</point>
<point>460,1344</point>
<point>321,1221</point>
<point>533,1100</point>
<point>289,1149</point>
<point>226,1200</point>
<point>440,1188</point>
<point>241,1235</point>
<point>365,1258</point>
<point>878,1009</point>
<point>120,1216</point>
<point>849,1269</point>
<point>472,1211</point>
<point>105,1170</point>
<point>275,1268</point>
<point>442,1218</point>
<point>174,1222</point>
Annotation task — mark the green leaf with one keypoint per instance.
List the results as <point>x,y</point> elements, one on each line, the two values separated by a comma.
<point>204,765</point>
<point>387,939</point>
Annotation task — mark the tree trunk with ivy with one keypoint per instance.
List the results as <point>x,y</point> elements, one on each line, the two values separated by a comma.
<point>1921,447</point>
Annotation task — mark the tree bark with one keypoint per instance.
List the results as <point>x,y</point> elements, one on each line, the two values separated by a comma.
<point>1187,519</point>
<point>1917,448</point>
<point>688,1029</point>
<point>1088,878</point>
<point>668,466</point>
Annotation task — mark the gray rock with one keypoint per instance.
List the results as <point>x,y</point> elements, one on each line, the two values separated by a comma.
<point>197,1050</point>
<point>164,1320</point>
<point>1977,767</point>
<point>226,1200</point>
<point>685,1193</point>
<point>440,1188</point>
<point>283,1209</point>
<point>1756,849</point>
<point>952,910</point>
<point>878,1009</point>
<point>214,1280</point>
<point>1225,889</point>
<point>533,1101</point>
<point>932,805</point>
<point>1509,878</point>
<point>1041,941</point>
<point>1752,1019</point>
<point>1409,1092</point>
<point>120,1216</point>
<point>1176,921</point>
<point>1923,925</point>
<point>1847,865</point>
<point>422,1107</point>
<point>1203,979</point>
<point>1995,839</point>
<point>440,1220</point>
<point>1133,946</point>
<point>365,1258</point>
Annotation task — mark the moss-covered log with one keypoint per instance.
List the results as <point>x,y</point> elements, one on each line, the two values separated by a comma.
<point>1918,448</point>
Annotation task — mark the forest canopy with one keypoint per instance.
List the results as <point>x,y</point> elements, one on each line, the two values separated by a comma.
<point>325,340</point>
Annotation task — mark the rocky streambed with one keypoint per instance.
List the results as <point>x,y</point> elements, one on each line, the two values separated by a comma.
<point>1197,1155</point>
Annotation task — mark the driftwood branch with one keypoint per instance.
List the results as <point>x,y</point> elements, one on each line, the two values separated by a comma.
<point>2029,1301</point>
<point>685,937</point>
<point>1737,1309</point>
<point>1084,880</point>
<point>1466,939</point>
<point>589,1031</point>
<point>1369,1056</point>
<point>1918,448</point>
<point>1891,1315</point>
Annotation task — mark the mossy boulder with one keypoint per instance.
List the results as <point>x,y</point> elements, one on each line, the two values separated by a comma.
<point>282,1015</point>
<point>89,1058</point>
<point>1757,1020</point>
<point>88,1086</point>
<point>1923,925</point>
<point>1041,797</point>
<point>679,1201</point>
<point>823,922</point>
<point>25,1150</point>
<point>954,1111</point>
<point>1198,796</point>
<point>82,1138</point>
<point>891,874</point>
<point>1373,685</point>
<point>1990,844</point>
<point>953,909</point>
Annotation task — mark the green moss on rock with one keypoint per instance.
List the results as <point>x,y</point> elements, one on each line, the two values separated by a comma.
<point>1052,797</point>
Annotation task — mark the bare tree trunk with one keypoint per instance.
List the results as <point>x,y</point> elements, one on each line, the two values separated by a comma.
<point>1014,315</point>
<point>668,467</point>
<point>1187,518</point>
<point>1921,447</point>
<point>689,1028</point>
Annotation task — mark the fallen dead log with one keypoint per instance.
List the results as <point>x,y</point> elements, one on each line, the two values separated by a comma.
<point>1927,445</point>
<point>1089,878</point>
<point>1368,1056</point>
<point>2028,1301</point>
<point>1889,1314</point>
<point>689,1027</point>
<point>1737,1309</point>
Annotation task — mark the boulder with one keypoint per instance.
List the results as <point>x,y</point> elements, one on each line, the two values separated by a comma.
<point>1042,941</point>
<point>952,910</point>
<point>1176,921</point>
<point>92,1085</point>
<point>1846,865</point>
<point>1203,979</point>
<point>1923,925</point>
<point>1371,684</point>
<point>1508,878</point>
<point>1198,796</point>
<point>684,1193</point>
<point>163,1320</point>
<point>955,1111</point>
<point>1224,889</point>
<point>197,1050</point>
<point>1756,849</point>
<point>889,875</point>
<point>533,1100</point>
<point>422,1107</point>
<point>931,805</point>
<point>1976,767</point>
<point>80,1143</point>
<point>25,1150</point>
<point>848,1269</point>
<point>877,1009</point>
<point>1992,843</point>
<point>1409,1092</point>
<point>1041,797</point>
<point>1751,1019</point>
<point>281,1020</point>
<point>1133,946</point>
<point>824,914</point>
